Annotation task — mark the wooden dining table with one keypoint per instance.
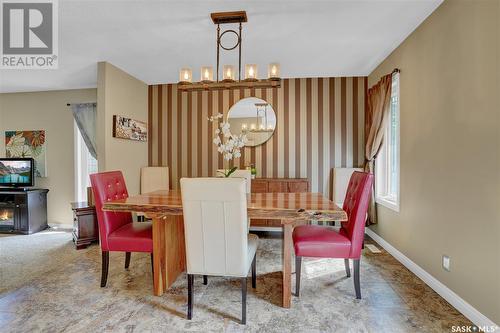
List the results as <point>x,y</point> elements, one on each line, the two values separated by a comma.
<point>165,210</point>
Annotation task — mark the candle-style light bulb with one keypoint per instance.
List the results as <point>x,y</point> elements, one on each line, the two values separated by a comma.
<point>273,71</point>
<point>185,75</point>
<point>206,74</point>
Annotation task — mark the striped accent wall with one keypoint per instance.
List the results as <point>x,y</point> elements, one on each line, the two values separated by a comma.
<point>320,126</point>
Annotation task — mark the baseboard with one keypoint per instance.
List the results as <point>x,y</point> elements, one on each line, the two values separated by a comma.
<point>451,297</point>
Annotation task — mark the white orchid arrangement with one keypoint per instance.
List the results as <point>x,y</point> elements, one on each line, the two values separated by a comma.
<point>228,144</point>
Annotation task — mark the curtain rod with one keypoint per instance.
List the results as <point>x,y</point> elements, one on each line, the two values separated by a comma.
<point>69,104</point>
<point>396,70</point>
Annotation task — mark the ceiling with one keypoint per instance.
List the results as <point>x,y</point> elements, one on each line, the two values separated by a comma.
<point>151,40</point>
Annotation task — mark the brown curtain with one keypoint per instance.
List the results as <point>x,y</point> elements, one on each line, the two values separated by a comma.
<point>377,115</point>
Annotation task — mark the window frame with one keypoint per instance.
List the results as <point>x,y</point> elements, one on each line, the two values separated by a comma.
<point>82,166</point>
<point>383,166</point>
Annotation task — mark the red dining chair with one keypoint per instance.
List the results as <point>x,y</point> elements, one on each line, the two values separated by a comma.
<point>320,242</point>
<point>117,230</point>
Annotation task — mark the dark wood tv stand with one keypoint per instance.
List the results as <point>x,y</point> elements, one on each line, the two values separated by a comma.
<point>23,210</point>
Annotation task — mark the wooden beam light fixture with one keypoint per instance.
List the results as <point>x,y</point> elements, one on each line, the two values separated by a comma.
<point>229,73</point>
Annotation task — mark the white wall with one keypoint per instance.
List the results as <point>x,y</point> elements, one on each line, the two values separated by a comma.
<point>48,111</point>
<point>118,93</point>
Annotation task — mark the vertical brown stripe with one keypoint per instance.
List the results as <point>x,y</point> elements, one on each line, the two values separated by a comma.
<point>150,125</point>
<point>220,103</point>
<point>242,158</point>
<point>297,128</point>
<point>210,133</point>
<point>277,133</point>
<point>169,132</point>
<point>198,130</point>
<point>366,112</point>
<point>179,137</point>
<point>160,125</point>
<point>231,102</point>
<point>331,104</point>
<point>252,149</point>
<point>355,163</point>
<point>309,127</point>
<point>286,127</point>
<point>189,133</point>
<point>263,95</point>
<point>343,109</point>
<point>320,135</point>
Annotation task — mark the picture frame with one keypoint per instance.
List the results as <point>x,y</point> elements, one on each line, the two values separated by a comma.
<point>129,129</point>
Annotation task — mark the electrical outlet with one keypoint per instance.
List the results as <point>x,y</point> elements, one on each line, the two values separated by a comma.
<point>446,263</point>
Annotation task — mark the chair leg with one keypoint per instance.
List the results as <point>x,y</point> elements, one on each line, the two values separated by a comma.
<point>104,269</point>
<point>347,268</point>
<point>152,264</point>
<point>205,280</point>
<point>298,268</point>
<point>244,301</point>
<point>357,287</point>
<point>127,259</point>
<point>254,272</point>
<point>190,297</point>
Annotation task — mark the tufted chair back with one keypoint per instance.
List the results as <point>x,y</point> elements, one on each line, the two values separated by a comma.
<point>108,186</point>
<point>355,205</point>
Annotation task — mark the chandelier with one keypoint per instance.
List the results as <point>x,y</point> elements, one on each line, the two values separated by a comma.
<point>229,80</point>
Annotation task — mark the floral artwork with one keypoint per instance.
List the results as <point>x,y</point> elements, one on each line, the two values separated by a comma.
<point>228,144</point>
<point>28,144</point>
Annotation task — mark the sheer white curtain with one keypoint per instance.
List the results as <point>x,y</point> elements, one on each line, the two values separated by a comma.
<point>85,115</point>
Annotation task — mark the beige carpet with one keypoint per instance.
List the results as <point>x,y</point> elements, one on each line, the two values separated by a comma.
<point>48,286</point>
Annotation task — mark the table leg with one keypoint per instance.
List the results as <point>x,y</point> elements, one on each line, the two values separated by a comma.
<point>158,255</point>
<point>287,263</point>
<point>174,249</point>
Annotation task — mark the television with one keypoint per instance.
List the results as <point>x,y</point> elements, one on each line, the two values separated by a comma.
<point>17,172</point>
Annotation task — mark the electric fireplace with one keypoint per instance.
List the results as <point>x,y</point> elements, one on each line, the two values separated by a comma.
<point>7,218</point>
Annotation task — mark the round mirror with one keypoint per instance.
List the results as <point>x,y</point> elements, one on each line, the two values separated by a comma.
<point>253,117</point>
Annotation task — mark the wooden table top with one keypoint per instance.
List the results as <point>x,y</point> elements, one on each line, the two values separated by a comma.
<point>284,206</point>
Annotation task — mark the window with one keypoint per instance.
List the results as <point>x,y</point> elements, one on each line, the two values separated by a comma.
<point>387,162</point>
<point>85,164</point>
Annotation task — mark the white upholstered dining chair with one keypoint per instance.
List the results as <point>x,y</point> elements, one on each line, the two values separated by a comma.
<point>154,179</point>
<point>246,174</point>
<point>216,232</point>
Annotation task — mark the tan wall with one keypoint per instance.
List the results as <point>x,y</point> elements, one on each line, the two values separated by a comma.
<point>320,125</point>
<point>48,111</point>
<point>118,93</point>
<point>450,150</point>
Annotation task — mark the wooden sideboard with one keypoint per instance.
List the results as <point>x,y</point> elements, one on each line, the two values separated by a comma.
<point>277,185</point>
